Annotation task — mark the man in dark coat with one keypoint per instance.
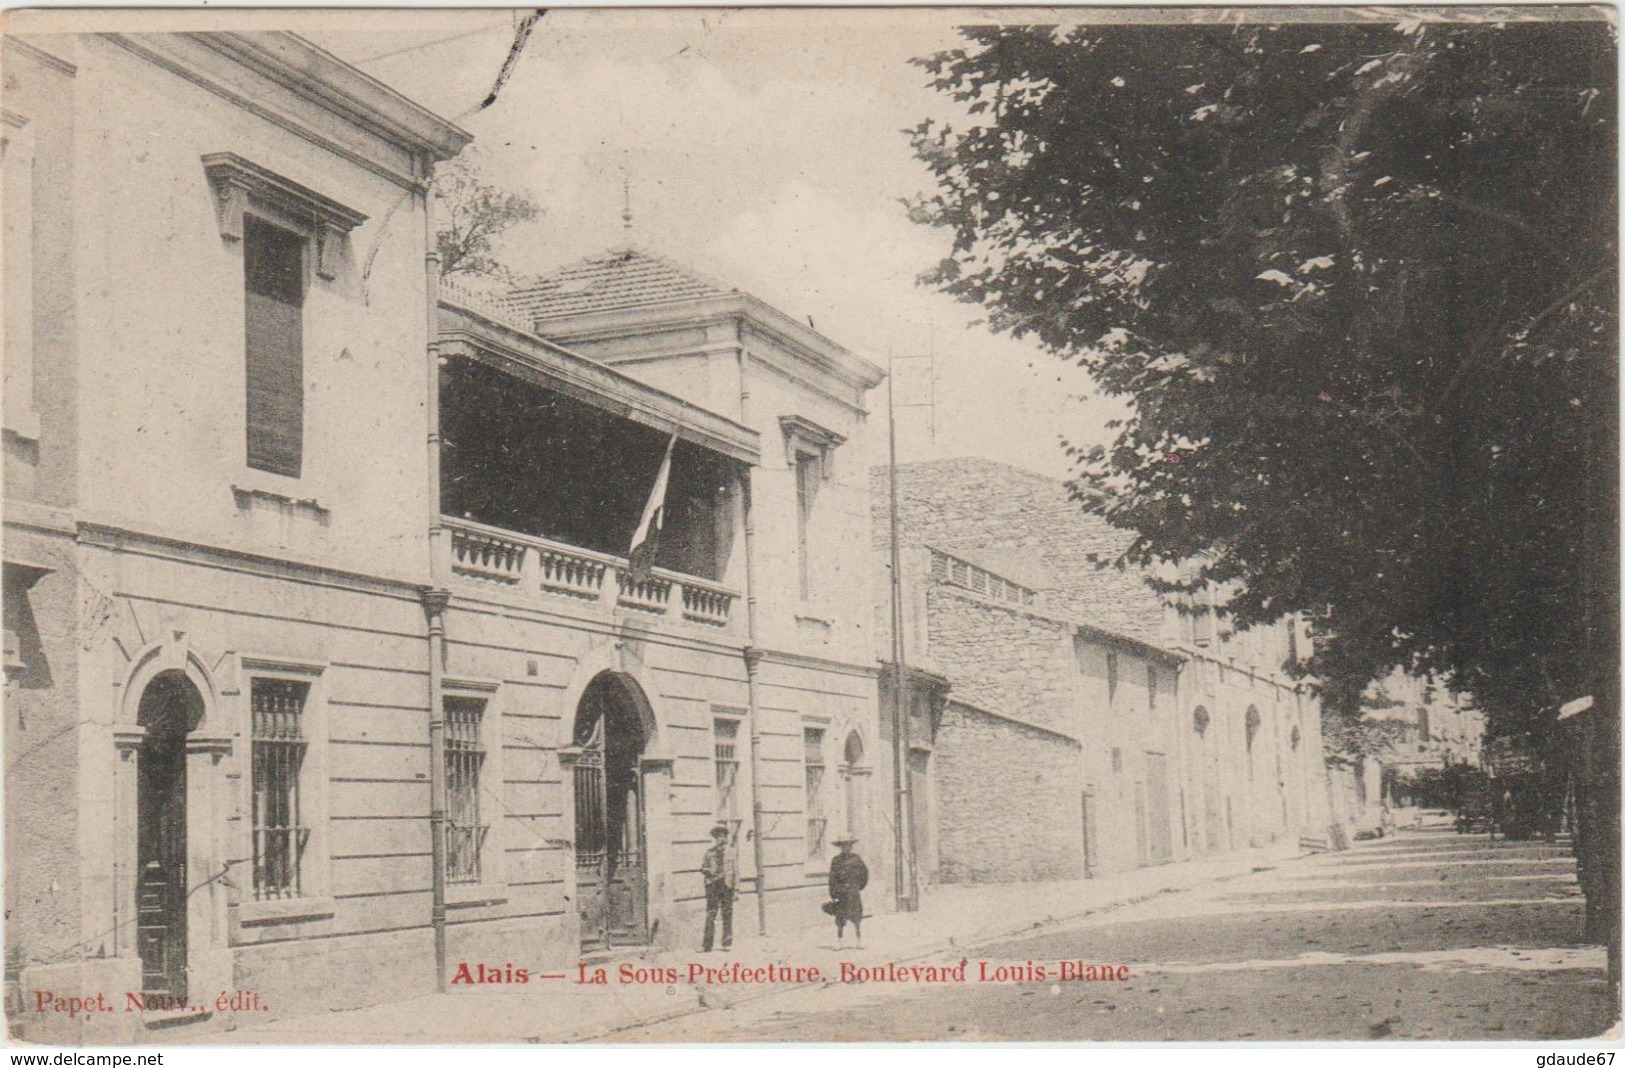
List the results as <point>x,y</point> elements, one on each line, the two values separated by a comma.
<point>848,875</point>
<point>720,869</point>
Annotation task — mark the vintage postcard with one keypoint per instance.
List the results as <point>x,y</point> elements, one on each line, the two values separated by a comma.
<point>803,525</point>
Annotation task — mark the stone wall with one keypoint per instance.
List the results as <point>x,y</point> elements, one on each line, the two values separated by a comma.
<point>977,504</point>
<point>1007,800</point>
<point>1004,658</point>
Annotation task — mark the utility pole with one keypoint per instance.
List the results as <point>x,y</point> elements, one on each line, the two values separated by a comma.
<point>899,702</point>
<point>904,859</point>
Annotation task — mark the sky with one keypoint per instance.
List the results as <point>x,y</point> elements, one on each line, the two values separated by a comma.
<point>763,148</point>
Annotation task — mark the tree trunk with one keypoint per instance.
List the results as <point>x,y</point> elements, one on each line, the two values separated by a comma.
<point>1597,848</point>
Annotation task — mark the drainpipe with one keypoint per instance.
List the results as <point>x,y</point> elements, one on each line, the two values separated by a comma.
<point>434,607</point>
<point>437,596</point>
<point>753,660</point>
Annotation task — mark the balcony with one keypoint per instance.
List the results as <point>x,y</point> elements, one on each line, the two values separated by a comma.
<point>547,461</point>
<point>539,568</point>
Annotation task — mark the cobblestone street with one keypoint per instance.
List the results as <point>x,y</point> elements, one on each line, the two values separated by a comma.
<point>1427,935</point>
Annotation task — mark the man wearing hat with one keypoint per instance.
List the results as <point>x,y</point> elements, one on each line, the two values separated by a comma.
<point>848,875</point>
<point>720,869</point>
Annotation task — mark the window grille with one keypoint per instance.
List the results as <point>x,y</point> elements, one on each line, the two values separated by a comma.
<point>725,735</point>
<point>1111,678</point>
<point>813,737</point>
<point>1151,687</point>
<point>939,566</point>
<point>465,834</point>
<point>1117,759</point>
<point>278,754</point>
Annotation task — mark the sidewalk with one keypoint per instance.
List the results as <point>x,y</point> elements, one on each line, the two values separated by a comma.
<point>952,921</point>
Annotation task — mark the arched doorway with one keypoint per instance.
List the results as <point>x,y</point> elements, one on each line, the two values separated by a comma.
<point>611,856</point>
<point>170,708</point>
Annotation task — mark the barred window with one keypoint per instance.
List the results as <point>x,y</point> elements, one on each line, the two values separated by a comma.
<point>725,734</point>
<point>1111,678</point>
<point>1151,687</point>
<point>278,707</point>
<point>813,738</point>
<point>465,834</point>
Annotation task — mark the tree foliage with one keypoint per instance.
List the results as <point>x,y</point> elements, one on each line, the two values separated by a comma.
<point>1358,284</point>
<point>473,215</point>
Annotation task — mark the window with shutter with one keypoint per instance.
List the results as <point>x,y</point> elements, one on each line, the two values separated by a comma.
<point>274,290</point>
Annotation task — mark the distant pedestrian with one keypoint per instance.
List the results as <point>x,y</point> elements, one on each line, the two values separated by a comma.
<point>848,875</point>
<point>720,869</point>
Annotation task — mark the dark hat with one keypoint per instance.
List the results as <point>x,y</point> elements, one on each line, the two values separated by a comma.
<point>845,840</point>
<point>720,831</point>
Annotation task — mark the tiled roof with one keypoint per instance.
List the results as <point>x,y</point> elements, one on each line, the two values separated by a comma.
<point>982,507</point>
<point>620,279</point>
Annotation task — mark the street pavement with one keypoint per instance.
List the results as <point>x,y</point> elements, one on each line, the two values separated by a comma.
<point>1427,935</point>
<point>566,1010</point>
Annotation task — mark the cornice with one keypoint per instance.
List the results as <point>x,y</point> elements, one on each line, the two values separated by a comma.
<point>138,45</point>
<point>324,79</point>
<point>105,535</point>
<point>35,52</point>
<point>803,341</point>
<point>784,657</point>
<point>592,382</point>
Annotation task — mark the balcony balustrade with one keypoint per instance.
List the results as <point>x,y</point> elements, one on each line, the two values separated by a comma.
<point>536,566</point>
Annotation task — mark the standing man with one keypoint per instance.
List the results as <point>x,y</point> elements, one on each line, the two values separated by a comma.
<point>848,875</point>
<point>720,869</point>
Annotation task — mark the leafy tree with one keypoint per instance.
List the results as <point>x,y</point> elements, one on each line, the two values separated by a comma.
<point>473,215</point>
<point>1358,283</point>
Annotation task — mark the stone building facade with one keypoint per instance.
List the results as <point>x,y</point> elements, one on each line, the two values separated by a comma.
<point>1130,731</point>
<point>198,574</point>
<point>327,663</point>
<point>751,648</point>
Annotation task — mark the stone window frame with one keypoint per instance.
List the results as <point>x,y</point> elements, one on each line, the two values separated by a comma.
<point>492,887</point>
<point>241,188</point>
<point>803,436</point>
<point>805,440</point>
<point>316,866</point>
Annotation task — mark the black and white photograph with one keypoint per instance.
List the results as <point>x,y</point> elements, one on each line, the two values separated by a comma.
<point>791,525</point>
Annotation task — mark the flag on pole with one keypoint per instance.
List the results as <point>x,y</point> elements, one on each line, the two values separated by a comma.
<point>647,539</point>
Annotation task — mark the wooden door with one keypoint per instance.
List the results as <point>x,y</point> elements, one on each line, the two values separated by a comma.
<point>161,863</point>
